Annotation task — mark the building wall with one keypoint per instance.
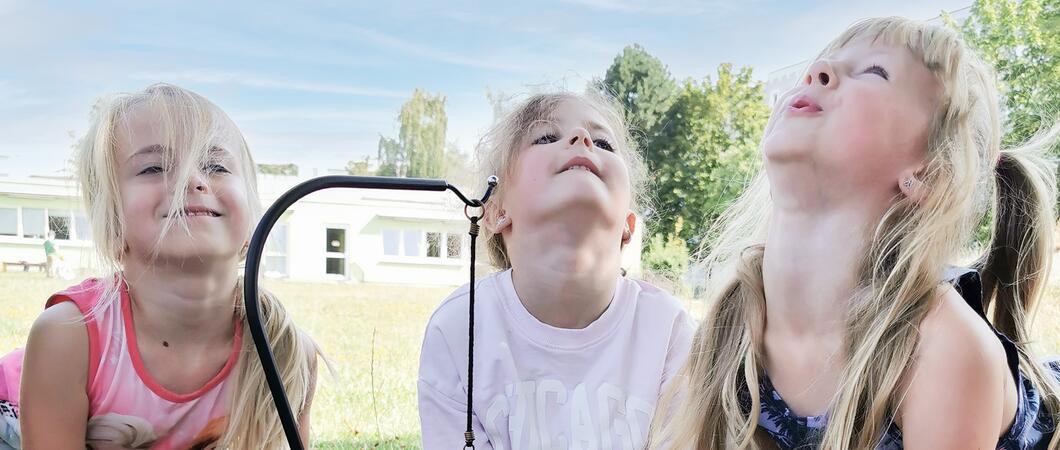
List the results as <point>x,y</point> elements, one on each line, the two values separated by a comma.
<point>383,236</point>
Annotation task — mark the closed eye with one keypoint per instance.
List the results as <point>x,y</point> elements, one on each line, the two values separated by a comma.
<point>546,139</point>
<point>216,168</point>
<point>151,170</point>
<point>876,69</point>
<point>602,143</point>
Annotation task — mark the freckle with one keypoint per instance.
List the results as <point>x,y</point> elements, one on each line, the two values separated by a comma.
<point>165,344</point>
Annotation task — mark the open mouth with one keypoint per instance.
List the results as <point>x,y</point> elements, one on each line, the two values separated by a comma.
<point>197,212</point>
<point>580,163</point>
<point>804,103</point>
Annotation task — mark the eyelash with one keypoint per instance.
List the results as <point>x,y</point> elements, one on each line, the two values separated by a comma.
<point>151,170</point>
<point>210,169</point>
<point>876,69</point>
<point>214,168</point>
<point>550,138</point>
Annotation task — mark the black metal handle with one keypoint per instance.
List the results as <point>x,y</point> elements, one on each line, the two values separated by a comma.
<point>257,244</point>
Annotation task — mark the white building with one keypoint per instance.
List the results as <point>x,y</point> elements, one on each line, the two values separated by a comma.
<point>353,235</point>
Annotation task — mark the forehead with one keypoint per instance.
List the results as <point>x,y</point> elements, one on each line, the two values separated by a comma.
<point>141,132</point>
<point>576,113</point>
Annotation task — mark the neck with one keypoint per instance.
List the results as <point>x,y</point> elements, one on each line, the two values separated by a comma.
<point>810,271</point>
<point>571,281</point>
<point>190,304</point>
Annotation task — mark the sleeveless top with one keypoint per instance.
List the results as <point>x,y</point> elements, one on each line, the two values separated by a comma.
<point>128,408</point>
<point>1031,430</point>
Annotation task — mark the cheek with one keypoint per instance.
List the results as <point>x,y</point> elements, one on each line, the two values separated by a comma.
<point>233,196</point>
<point>531,170</point>
<point>620,180</point>
<point>873,138</point>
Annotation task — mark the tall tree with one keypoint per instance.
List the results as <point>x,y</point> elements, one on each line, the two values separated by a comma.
<point>1021,39</point>
<point>419,150</point>
<point>707,150</point>
<point>643,85</point>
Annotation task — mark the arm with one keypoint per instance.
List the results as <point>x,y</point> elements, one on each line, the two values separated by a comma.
<point>303,417</point>
<point>54,400</point>
<point>956,395</point>
<point>443,398</point>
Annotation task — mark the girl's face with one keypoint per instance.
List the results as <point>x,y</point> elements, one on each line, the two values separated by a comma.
<point>568,164</point>
<point>860,117</point>
<point>216,206</point>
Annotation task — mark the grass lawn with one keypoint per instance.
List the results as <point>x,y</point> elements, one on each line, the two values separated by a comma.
<point>372,334</point>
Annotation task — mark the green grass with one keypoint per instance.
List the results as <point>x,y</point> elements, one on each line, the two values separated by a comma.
<point>343,319</point>
<point>353,410</point>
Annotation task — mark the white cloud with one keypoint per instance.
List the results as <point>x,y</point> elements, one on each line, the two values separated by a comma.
<point>434,54</point>
<point>217,77</point>
<point>661,7</point>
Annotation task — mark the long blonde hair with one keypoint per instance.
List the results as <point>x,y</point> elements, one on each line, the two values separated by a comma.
<point>714,402</point>
<point>192,125</point>
<point>498,149</point>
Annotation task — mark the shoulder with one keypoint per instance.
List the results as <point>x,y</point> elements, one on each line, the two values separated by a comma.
<point>954,339</point>
<point>58,339</point>
<point>657,305</point>
<point>452,313</point>
<point>955,386</point>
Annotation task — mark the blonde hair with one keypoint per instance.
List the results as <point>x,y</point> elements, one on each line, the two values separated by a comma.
<point>192,126</point>
<point>714,402</point>
<point>498,149</point>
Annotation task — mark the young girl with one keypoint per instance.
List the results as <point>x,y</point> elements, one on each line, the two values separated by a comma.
<point>156,354</point>
<point>568,353</point>
<point>838,322</point>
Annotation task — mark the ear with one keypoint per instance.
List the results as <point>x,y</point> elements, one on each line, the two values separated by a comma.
<point>910,185</point>
<point>495,218</point>
<point>631,227</point>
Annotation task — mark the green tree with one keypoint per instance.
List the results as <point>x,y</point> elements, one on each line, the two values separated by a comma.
<point>666,254</point>
<point>419,150</point>
<point>360,168</point>
<point>278,169</point>
<point>393,158</point>
<point>1021,40</point>
<point>706,150</point>
<point>643,85</point>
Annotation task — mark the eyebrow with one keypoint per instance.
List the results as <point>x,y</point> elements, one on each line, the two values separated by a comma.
<point>595,127</point>
<point>154,148</point>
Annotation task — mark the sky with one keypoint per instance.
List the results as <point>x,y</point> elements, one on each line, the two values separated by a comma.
<point>317,83</point>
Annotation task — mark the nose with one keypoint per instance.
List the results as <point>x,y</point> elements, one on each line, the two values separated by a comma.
<point>823,74</point>
<point>580,136</point>
<point>197,183</point>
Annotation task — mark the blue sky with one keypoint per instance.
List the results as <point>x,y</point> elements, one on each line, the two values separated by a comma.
<point>316,84</point>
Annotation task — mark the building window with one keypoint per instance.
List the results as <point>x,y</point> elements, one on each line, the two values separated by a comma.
<point>434,245</point>
<point>391,242</point>
<point>276,251</point>
<point>454,246</point>
<point>33,223</point>
<point>81,231</point>
<point>413,242</point>
<point>422,244</point>
<point>8,221</point>
<point>59,223</point>
<point>336,251</point>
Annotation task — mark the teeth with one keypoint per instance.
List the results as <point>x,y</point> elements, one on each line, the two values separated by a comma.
<point>578,168</point>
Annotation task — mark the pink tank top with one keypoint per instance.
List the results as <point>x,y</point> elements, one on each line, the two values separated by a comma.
<point>127,407</point>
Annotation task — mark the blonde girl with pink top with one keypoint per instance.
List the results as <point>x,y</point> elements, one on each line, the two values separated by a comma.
<point>154,354</point>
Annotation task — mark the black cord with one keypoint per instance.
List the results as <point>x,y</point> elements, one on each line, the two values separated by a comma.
<point>255,252</point>
<point>469,435</point>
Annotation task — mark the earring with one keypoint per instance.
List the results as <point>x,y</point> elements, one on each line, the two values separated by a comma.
<point>502,221</point>
<point>626,236</point>
<point>908,183</point>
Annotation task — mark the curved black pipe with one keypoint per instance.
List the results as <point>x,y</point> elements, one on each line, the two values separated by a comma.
<point>257,244</point>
